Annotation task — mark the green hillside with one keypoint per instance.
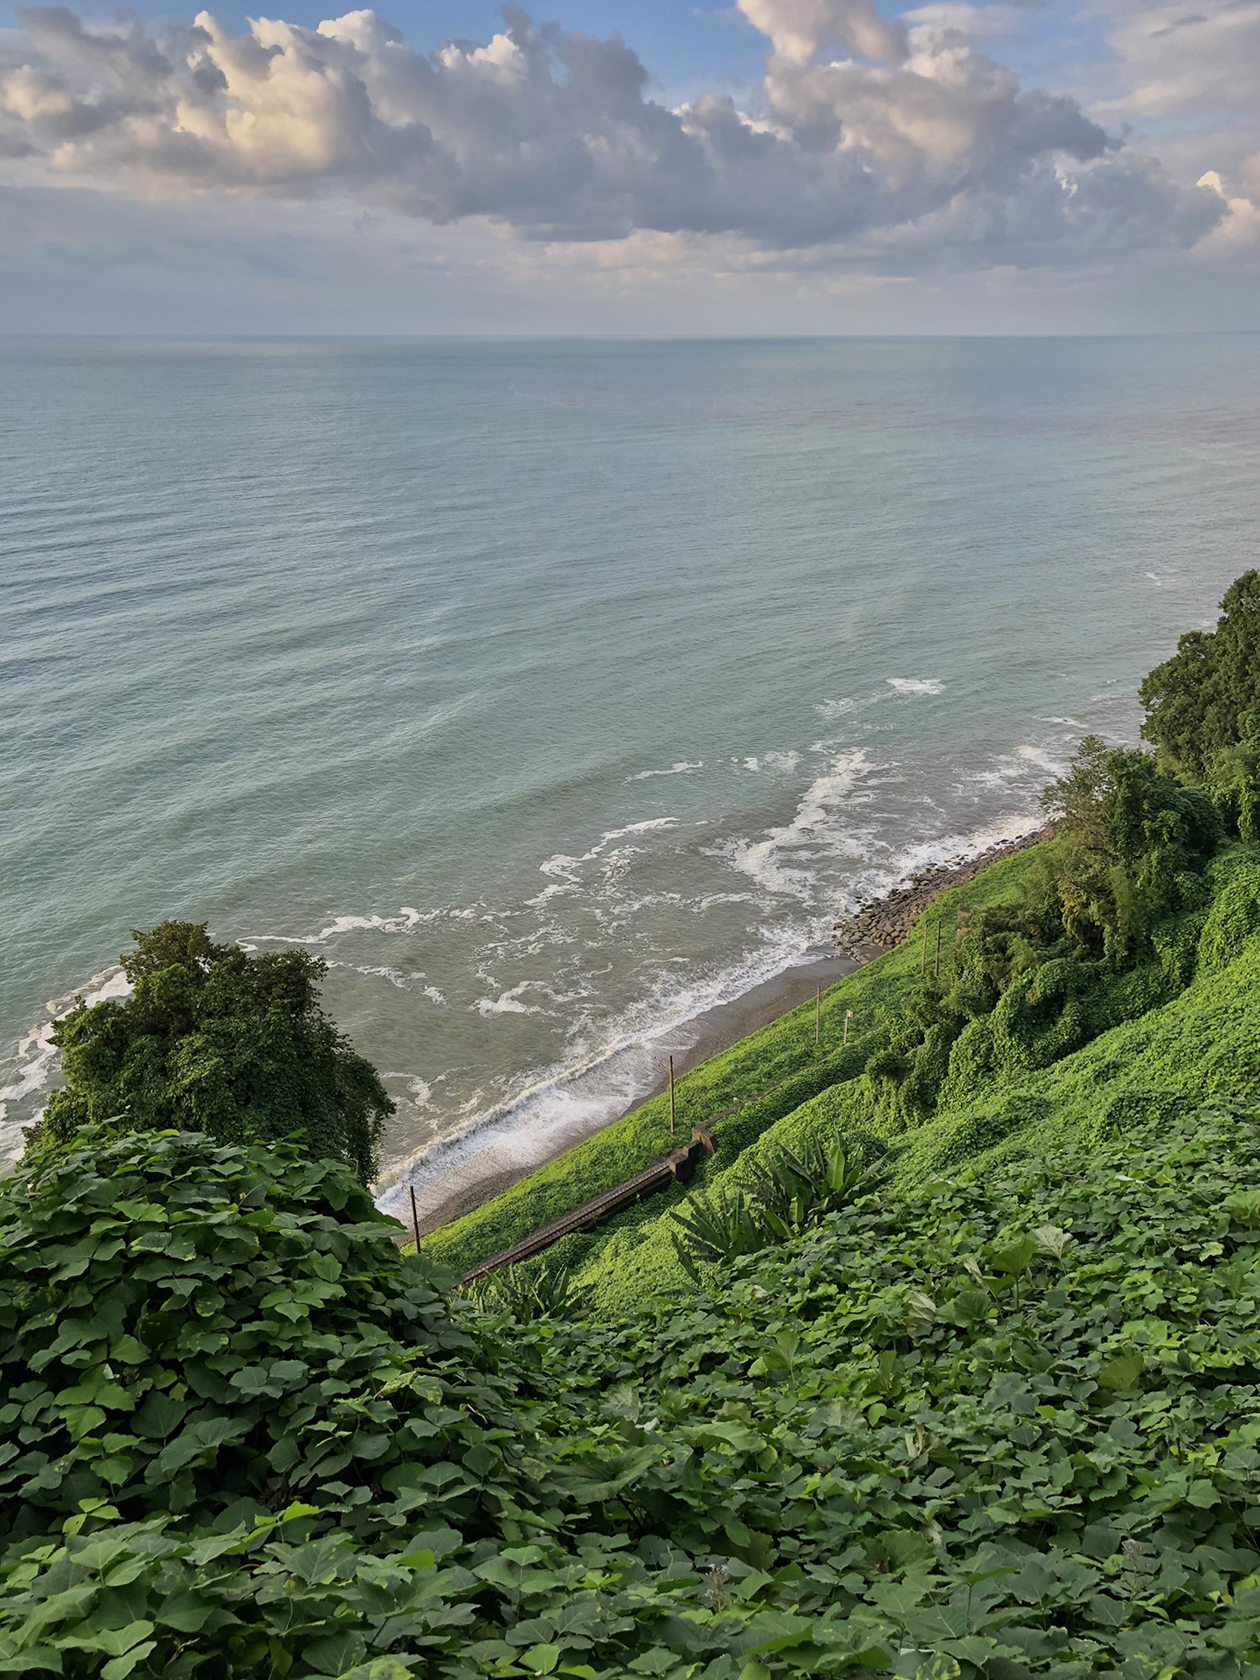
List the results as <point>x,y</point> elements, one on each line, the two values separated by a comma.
<point>1203,1044</point>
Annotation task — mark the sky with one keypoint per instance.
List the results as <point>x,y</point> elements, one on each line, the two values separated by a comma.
<point>638,167</point>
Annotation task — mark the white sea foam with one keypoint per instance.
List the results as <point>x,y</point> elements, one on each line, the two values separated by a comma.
<point>639,828</point>
<point>786,761</point>
<point>382,971</point>
<point>113,984</point>
<point>1050,762</point>
<point>508,1003</point>
<point>556,889</point>
<point>916,685</point>
<point>679,769</point>
<point>599,1081</point>
<point>775,861</point>
<point>37,1059</point>
<point>406,919</point>
<point>563,865</point>
<point>1029,765</point>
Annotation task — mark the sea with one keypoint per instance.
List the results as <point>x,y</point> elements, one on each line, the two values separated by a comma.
<point>556,692</point>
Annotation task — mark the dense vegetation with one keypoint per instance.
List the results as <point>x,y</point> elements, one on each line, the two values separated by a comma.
<point>1203,704</point>
<point>945,1369</point>
<point>1005,1426</point>
<point>216,1040</point>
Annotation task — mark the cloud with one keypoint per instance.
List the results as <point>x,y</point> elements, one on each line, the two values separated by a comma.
<point>893,143</point>
<point>1184,60</point>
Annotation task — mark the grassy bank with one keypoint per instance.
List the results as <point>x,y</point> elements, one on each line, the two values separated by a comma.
<point>1203,1044</point>
<point>732,1080</point>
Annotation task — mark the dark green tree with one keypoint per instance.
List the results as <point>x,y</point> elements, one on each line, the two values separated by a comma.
<point>1206,698</point>
<point>1133,843</point>
<point>215,1040</point>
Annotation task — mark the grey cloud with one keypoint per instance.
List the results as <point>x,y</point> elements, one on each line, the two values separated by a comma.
<point>905,136</point>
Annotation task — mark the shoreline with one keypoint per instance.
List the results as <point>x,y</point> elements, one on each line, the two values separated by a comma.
<point>885,922</point>
<point>719,1028</point>
<point>875,928</point>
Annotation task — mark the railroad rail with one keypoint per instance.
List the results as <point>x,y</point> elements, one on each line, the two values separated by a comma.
<point>676,1168</point>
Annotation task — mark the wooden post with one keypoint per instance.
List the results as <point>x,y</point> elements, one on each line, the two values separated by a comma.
<point>923,958</point>
<point>671,1096</point>
<point>818,1016</point>
<point>938,948</point>
<point>415,1217</point>
<point>848,1016</point>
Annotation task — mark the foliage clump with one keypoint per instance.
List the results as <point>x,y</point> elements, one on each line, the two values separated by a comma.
<point>1096,936</point>
<point>195,1328</point>
<point>790,1191</point>
<point>217,1040</point>
<point>1205,700</point>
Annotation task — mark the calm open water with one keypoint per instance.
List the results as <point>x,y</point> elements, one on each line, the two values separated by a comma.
<point>553,692</point>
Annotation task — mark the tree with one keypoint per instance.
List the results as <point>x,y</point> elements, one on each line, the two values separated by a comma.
<point>1133,846</point>
<point>215,1040</point>
<point>1206,698</point>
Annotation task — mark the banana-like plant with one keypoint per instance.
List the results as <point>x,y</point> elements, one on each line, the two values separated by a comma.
<point>795,1190</point>
<point>721,1226</point>
<point>790,1192</point>
<point>531,1291</point>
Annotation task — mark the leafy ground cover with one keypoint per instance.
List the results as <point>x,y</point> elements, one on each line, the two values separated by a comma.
<point>1005,1425</point>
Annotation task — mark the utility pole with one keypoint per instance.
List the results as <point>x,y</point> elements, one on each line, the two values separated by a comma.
<point>415,1217</point>
<point>818,1016</point>
<point>938,949</point>
<point>671,1096</point>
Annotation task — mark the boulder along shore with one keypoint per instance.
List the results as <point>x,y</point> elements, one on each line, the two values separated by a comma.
<point>887,921</point>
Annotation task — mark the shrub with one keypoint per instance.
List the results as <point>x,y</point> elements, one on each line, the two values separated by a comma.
<point>532,1289</point>
<point>1232,919</point>
<point>194,1328</point>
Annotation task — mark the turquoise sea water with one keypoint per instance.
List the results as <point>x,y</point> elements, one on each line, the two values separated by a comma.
<point>555,691</point>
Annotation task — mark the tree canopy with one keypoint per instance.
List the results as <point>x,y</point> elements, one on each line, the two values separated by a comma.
<point>1206,698</point>
<point>1134,844</point>
<point>214,1039</point>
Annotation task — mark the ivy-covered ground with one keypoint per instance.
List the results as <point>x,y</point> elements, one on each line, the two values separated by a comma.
<point>1004,1424</point>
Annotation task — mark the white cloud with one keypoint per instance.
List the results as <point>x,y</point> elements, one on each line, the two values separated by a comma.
<point>890,147</point>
